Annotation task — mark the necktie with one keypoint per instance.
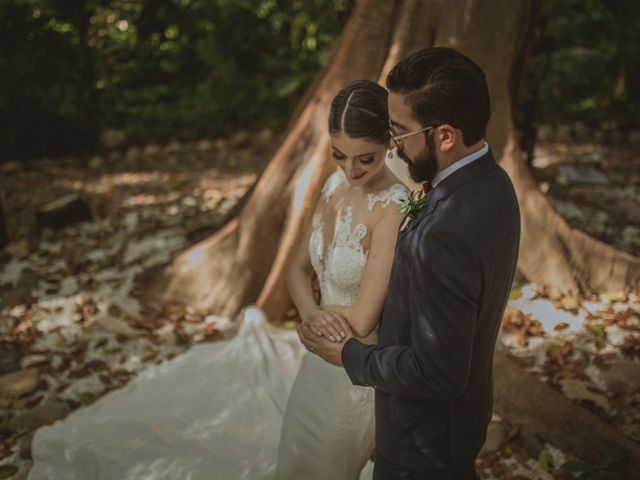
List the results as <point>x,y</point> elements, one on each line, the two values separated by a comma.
<point>426,188</point>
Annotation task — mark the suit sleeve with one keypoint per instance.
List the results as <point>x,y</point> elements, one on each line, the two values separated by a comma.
<point>445,282</point>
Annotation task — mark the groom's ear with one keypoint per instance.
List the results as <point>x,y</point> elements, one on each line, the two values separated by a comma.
<point>447,137</point>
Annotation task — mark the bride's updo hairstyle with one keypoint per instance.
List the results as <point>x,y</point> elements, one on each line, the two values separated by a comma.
<point>360,110</point>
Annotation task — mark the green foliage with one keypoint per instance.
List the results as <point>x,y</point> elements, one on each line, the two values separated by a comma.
<point>612,466</point>
<point>586,64</point>
<point>45,106</point>
<point>188,69</point>
<point>160,69</point>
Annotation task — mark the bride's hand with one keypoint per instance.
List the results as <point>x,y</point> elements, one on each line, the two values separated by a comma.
<point>327,324</point>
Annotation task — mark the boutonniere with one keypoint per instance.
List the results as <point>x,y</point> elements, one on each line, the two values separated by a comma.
<point>411,206</point>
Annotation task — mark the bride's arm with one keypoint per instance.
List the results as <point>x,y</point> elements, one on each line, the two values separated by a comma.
<point>299,278</point>
<point>364,314</point>
<point>321,321</point>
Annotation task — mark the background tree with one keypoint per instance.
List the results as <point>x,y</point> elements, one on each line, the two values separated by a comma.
<point>246,261</point>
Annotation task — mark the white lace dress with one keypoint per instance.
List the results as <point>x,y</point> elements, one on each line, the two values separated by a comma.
<point>215,412</point>
<point>328,430</point>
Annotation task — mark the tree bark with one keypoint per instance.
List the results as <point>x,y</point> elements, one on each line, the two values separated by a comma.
<point>246,260</point>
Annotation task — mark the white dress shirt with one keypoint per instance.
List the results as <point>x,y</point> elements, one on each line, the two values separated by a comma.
<point>459,164</point>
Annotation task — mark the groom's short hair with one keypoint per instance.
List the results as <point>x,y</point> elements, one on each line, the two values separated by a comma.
<point>444,86</point>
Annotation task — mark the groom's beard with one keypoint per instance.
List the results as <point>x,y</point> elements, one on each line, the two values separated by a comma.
<point>425,166</point>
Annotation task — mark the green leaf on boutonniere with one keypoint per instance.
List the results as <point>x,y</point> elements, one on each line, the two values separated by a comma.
<point>412,205</point>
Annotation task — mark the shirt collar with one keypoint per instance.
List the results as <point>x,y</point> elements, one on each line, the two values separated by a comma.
<point>459,164</point>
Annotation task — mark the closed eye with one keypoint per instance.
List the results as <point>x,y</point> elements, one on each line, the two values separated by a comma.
<point>367,161</point>
<point>335,156</point>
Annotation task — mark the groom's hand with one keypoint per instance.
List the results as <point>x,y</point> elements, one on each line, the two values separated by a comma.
<point>326,349</point>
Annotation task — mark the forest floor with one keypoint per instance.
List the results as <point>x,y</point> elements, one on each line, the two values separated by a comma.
<point>73,325</point>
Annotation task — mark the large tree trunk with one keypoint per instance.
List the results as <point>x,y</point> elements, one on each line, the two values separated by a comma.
<point>246,261</point>
<point>544,412</point>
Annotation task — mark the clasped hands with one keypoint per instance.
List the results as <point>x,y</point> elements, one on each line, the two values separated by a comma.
<point>324,333</point>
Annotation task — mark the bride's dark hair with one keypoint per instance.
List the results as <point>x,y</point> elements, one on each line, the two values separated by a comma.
<point>360,110</point>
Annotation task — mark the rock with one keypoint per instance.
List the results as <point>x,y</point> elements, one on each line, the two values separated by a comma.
<point>10,356</point>
<point>151,149</point>
<point>240,140</point>
<point>112,138</point>
<point>19,384</point>
<point>570,174</point>
<point>634,137</point>
<point>496,435</point>
<point>628,210</point>
<point>623,377</point>
<point>65,211</point>
<point>43,414</point>
<point>96,162</point>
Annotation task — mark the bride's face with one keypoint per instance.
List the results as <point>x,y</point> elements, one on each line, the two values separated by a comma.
<point>360,159</point>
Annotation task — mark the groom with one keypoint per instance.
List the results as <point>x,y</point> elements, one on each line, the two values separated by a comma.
<point>450,280</point>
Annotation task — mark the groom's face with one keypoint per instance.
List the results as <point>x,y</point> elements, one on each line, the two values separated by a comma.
<point>417,151</point>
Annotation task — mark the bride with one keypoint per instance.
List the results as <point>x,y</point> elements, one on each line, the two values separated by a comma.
<point>217,410</point>
<point>328,429</point>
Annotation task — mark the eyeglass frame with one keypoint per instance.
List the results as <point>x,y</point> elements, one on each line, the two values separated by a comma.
<point>402,136</point>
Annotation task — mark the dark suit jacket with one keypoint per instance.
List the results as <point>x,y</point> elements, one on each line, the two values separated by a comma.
<point>450,281</point>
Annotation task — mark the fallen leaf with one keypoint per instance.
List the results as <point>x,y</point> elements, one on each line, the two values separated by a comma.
<point>569,303</point>
<point>515,294</point>
<point>545,460</point>
<point>597,329</point>
<point>87,398</point>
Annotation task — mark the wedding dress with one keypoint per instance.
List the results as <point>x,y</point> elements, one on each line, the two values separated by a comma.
<point>216,411</point>
<point>329,428</point>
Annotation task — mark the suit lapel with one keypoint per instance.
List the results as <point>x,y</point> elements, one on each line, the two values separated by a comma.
<point>475,170</point>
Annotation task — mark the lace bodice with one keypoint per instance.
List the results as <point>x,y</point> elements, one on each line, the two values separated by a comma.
<point>340,266</point>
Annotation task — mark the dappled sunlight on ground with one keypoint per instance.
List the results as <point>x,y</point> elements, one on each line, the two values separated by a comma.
<point>75,326</point>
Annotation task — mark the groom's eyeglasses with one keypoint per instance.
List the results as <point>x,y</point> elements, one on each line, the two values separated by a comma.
<point>396,138</point>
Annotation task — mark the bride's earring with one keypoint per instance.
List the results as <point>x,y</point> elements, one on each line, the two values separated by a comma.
<point>390,155</point>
